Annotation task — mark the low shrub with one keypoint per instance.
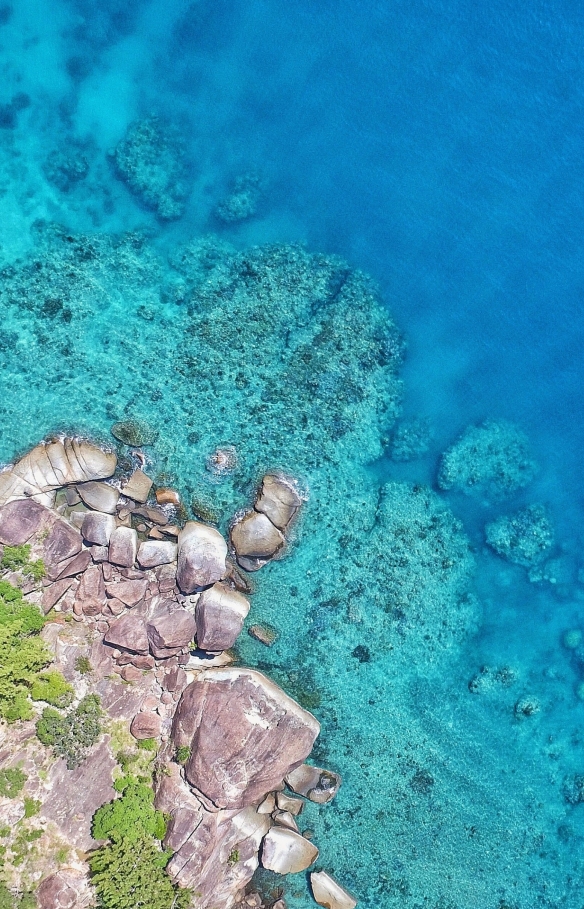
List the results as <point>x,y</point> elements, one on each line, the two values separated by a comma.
<point>73,733</point>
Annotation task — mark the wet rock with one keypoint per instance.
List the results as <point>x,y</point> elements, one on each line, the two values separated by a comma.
<point>138,487</point>
<point>201,557</point>
<point>287,852</point>
<point>145,725</point>
<point>153,553</point>
<point>123,546</point>
<point>220,615</point>
<point>134,433</point>
<point>99,496</point>
<point>21,519</point>
<point>129,592</point>
<point>171,632</point>
<point>51,465</point>
<point>166,496</point>
<point>318,785</point>
<point>228,713</point>
<point>265,634</point>
<point>128,633</point>
<point>328,893</point>
<point>97,527</point>
<point>255,540</point>
<point>278,500</point>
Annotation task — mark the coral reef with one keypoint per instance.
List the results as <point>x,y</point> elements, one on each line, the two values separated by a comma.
<point>242,201</point>
<point>524,538</point>
<point>492,459</point>
<point>150,159</point>
<point>410,440</point>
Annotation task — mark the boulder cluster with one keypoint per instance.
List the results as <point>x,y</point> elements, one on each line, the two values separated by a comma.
<point>170,601</point>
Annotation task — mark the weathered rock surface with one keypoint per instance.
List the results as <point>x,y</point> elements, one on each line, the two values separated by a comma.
<point>62,543</point>
<point>123,547</point>
<point>59,891</point>
<point>245,735</point>
<point>201,556</point>
<point>318,785</point>
<point>203,842</point>
<point>20,519</point>
<point>97,527</point>
<point>166,496</point>
<point>51,465</point>
<point>128,591</point>
<point>171,632</point>
<point>255,540</point>
<point>153,553</point>
<point>145,725</point>
<point>286,803</point>
<point>138,487</point>
<point>128,633</point>
<point>287,852</point>
<point>99,496</point>
<point>328,893</point>
<point>278,500</point>
<point>220,615</point>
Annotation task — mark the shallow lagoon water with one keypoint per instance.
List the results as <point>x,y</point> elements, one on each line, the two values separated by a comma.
<point>437,147</point>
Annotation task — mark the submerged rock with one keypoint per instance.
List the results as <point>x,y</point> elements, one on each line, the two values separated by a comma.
<point>490,459</point>
<point>328,893</point>
<point>524,538</point>
<point>134,433</point>
<point>201,557</point>
<point>244,733</point>
<point>51,465</point>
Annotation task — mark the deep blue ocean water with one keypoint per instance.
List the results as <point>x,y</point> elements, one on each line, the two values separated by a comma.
<point>438,146</point>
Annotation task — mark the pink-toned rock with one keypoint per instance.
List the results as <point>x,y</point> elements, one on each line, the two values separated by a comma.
<point>91,584</point>
<point>156,552</point>
<point>53,593</point>
<point>278,500</point>
<point>245,734</point>
<point>145,725</point>
<point>129,592</point>
<point>175,679</point>
<point>166,496</point>
<point>58,891</point>
<point>201,556</point>
<point>61,544</point>
<point>171,632</point>
<point>131,673</point>
<point>128,633</point>
<point>143,662</point>
<point>116,606</point>
<point>220,614</point>
<point>71,567</point>
<point>91,606</point>
<point>97,527</point>
<point>137,487</point>
<point>123,546</point>
<point>99,554</point>
<point>255,540</point>
<point>20,520</point>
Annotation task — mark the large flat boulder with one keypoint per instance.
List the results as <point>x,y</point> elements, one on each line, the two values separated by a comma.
<point>287,852</point>
<point>220,615</point>
<point>244,733</point>
<point>53,464</point>
<point>123,547</point>
<point>153,553</point>
<point>328,893</point>
<point>20,519</point>
<point>128,633</point>
<point>171,632</point>
<point>201,557</point>
<point>99,496</point>
<point>98,527</point>
<point>61,544</point>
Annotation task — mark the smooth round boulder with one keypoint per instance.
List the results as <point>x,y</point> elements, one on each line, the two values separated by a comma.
<point>220,615</point>
<point>278,500</point>
<point>255,540</point>
<point>201,557</point>
<point>145,725</point>
<point>153,553</point>
<point>99,496</point>
<point>287,852</point>
<point>328,893</point>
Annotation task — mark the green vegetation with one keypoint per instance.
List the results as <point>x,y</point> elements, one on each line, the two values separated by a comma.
<point>83,665</point>
<point>233,857</point>
<point>9,900</point>
<point>31,807</point>
<point>128,872</point>
<point>183,753</point>
<point>12,781</point>
<point>17,558</point>
<point>148,744</point>
<point>22,657</point>
<point>52,688</point>
<point>73,733</point>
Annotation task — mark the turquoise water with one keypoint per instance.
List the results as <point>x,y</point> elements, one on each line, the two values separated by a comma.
<point>436,147</point>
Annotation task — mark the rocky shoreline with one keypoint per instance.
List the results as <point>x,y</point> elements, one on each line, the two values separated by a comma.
<point>156,604</point>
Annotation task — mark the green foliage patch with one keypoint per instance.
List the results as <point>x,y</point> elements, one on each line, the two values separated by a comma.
<point>73,733</point>
<point>22,657</point>
<point>12,780</point>
<point>9,900</point>
<point>17,558</point>
<point>131,815</point>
